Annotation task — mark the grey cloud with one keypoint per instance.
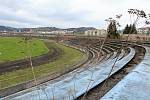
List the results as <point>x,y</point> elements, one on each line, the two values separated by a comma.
<point>40,14</point>
<point>62,13</point>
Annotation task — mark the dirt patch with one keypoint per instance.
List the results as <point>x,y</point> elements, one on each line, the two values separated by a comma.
<point>38,60</point>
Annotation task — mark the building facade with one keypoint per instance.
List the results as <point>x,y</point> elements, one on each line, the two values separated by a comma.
<point>145,30</point>
<point>95,32</point>
<point>60,32</point>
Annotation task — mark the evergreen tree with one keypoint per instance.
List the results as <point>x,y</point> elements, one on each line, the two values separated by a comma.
<point>130,29</point>
<point>112,30</point>
<point>126,30</point>
<point>133,28</point>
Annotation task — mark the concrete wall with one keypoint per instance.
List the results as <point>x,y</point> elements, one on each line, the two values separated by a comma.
<point>136,37</point>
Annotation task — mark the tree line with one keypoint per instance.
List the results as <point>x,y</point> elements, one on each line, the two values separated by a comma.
<point>113,33</point>
<point>129,28</point>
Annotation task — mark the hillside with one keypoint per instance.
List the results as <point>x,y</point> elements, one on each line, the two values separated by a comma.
<point>76,30</point>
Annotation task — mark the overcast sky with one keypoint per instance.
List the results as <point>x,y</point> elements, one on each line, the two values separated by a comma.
<point>66,13</point>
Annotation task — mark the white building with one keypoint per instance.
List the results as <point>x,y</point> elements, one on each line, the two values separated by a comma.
<point>145,30</point>
<point>95,32</point>
<point>60,32</point>
<point>44,32</point>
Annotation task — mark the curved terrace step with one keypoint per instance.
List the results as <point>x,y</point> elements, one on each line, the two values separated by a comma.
<point>113,46</point>
<point>106,51</point>
<point>75,83</point>
<point>136,85</point>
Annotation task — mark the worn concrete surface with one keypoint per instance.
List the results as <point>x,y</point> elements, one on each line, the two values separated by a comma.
<point>136,85</point>
<point>75,83</point>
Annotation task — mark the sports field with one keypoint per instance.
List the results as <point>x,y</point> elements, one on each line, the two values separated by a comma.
<point>65,60</point>
<point>16,48</point>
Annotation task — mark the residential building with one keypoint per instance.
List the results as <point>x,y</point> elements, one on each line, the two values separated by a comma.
<point>144,30</point>
<point>95,32</point>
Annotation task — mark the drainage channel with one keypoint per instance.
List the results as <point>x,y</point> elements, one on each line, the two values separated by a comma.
<point>100,90</point>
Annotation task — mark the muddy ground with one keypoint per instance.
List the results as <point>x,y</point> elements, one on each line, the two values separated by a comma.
<point>52,55</point>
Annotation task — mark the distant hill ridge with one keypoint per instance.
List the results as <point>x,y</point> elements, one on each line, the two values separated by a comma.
<point>6,28</point>
<point>79,29</point>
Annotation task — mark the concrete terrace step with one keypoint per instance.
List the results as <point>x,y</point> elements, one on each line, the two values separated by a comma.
<point>107,53</point>
<point>73,84</point>
<point>113,46</point>
<point>136,85</point>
